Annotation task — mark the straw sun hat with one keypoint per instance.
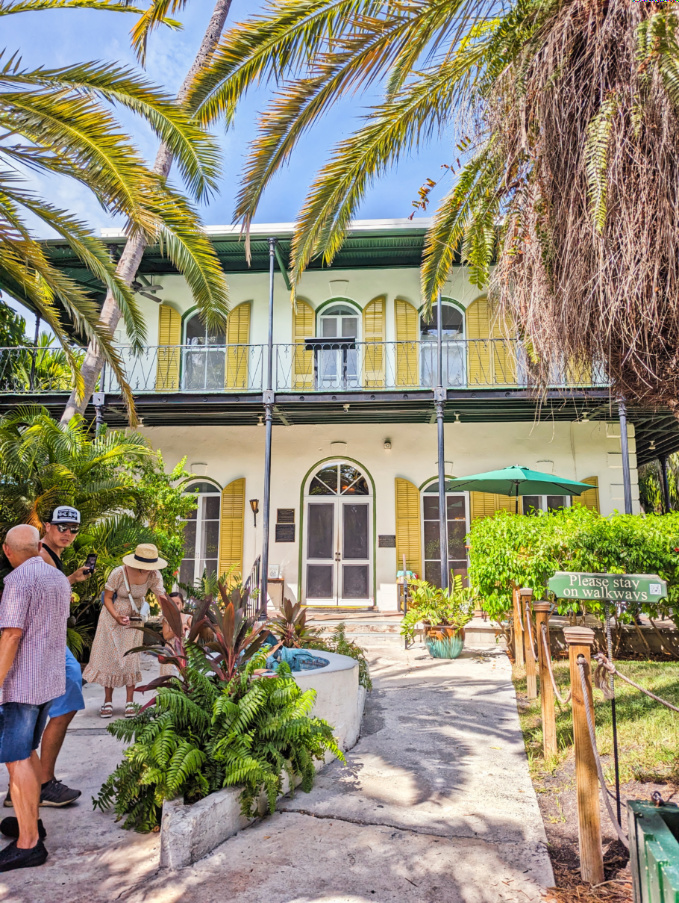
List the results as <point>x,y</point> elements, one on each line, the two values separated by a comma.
<point>145,558</point>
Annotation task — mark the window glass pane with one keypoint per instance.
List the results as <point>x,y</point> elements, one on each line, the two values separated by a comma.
<point>456,507</point>
<point>320,531</point>
<point>319,581</point>
<point>211,507</point>
<point>348,475</point>
<point>432,541</point>
<point>355,581</point>
<point>186,571</point>
<point>359,487</point>
<point>201,487</point>
<point>457,530</point>
<point>214,374</point>
<point>531,504</point>
<point>210,566</point>
<point>431,507</point>
<point>355,530</point>
<point>555,502</point>
<point>432,572</point>
<point>328,327</point>
<point>194,370</point>
<point>329,476</point>
<point>195,332</point>
<point>210,539</point>
<point>190,538</point>
<point>453,319</point>
<point>349,327</point>
<point>216,336</point>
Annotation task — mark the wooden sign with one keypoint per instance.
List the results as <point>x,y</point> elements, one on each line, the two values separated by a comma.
<point>608,587</point>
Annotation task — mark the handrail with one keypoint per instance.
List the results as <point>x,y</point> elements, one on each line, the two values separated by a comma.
<point>239,368</point>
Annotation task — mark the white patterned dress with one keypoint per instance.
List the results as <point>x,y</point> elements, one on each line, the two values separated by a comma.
<point>108,665</point>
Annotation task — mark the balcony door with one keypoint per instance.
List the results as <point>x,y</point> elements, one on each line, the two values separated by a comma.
<point>453,348</point>
<point>337,544</point>
<point>204,357</point>
<point>338,369</point>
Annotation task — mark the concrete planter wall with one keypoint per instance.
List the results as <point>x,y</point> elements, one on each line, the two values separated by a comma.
<point>190,832</point>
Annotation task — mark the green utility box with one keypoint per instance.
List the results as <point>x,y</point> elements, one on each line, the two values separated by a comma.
<point>654,852</point>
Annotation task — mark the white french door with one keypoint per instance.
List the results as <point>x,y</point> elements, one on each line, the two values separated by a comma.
<point>337,546</point>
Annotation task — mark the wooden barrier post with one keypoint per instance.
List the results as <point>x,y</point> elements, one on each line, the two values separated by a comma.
<point>549,745</point>
<point>580,640</point>
<point>518,628</point>
<point>525,598</point>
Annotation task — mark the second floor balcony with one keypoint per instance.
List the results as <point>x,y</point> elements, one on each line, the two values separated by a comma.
<point>307,366</point>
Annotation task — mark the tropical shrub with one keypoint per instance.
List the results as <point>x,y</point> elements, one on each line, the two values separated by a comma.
<point>290,626</point>
<point>437,607</point>
<point>526,551</point>
<point>202,734</point>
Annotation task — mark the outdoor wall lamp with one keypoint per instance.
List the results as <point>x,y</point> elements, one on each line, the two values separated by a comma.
<point>254,504</point>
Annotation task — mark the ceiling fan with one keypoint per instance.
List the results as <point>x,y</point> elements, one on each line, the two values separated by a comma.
<point>142,286</point>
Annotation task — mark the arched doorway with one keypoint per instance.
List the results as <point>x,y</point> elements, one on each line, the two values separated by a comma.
<point>338,369</point>
<point>204,356</point>
<point>452,323</point>
<point>337,537</point>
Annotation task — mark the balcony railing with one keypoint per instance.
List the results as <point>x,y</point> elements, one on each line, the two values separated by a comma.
<point>364,366</point>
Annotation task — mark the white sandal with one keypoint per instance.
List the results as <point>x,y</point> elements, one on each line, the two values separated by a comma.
<point>130,709</point>
<point>106,711</point>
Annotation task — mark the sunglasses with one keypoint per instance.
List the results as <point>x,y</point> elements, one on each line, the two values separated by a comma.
<point>62,528</point>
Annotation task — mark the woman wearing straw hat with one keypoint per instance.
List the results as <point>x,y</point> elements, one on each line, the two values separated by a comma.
<point>124,597</point>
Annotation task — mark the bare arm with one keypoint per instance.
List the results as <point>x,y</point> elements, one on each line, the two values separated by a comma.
<point>9,644</point>
<point>108,602</point>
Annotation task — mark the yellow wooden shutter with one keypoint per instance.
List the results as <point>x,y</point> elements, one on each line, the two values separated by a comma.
<point>578,373</point>
<point>374,331</point>
<point>504,357</point>
<point>237,338</point>
<point>589,498</point>
<point>169,349</point>
<point>231,527</point>
<point>478,351</point>
<point>303,327</point>
<point>407,335</point>
<point>486,504</point>
<point>408,531</point>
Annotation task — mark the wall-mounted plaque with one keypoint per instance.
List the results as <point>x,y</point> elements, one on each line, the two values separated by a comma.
<point>386,541</point>
<point>285,532</point>
<point>285,516</point>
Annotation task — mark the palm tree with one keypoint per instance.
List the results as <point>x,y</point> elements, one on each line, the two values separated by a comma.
<point>131,256</point>
<point>59,121</point>
<point>566,117</point>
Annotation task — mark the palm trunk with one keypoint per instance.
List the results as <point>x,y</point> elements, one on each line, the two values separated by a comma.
<point>133,251</point>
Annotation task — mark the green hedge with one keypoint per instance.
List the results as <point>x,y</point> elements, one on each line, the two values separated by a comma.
<point>509,548</point>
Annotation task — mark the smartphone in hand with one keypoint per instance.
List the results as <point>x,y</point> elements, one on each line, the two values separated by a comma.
<point>91,562</point>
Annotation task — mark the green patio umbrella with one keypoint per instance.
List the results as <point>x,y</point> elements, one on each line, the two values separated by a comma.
<point>515,481</point>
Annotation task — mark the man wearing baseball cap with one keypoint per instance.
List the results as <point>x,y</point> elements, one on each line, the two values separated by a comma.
<point>60,529</point>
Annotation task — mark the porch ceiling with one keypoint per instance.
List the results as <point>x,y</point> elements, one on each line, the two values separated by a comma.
<point>657,432</point>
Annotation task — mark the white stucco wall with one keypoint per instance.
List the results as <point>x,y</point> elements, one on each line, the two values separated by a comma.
<point>572,450</point>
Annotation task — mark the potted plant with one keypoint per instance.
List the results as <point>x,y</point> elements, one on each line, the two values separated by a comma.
<point>443,615</point>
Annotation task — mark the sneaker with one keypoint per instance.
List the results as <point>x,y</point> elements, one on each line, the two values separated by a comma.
<point>13,858</point>
<point>8,804</point>
<point>10,828</point>
<point>56,794</point>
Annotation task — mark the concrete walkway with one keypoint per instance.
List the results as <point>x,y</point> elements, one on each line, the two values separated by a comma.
<point>436,804</point>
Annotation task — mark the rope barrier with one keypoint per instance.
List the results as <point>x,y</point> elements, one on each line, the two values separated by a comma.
<point>548,659</point>
<point>609,667</point>
<point>592,737</point>
<point>529,624</point>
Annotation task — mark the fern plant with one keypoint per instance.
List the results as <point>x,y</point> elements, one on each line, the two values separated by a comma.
<point>202,734</point>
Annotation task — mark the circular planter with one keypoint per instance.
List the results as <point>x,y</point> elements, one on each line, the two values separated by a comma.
<point>444,642</point>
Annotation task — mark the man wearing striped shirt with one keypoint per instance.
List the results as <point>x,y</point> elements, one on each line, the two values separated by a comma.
<point>33,614</point>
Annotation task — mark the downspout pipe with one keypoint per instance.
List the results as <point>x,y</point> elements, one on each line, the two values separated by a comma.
<point>268,399</point>
<point>624,448</point>
<point>439,403</point>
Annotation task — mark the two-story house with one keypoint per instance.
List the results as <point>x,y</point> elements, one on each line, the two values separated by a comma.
<point>354,450</point>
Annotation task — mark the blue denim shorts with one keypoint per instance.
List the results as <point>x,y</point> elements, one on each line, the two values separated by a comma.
<point>72,699</point>
<point>21,727</point>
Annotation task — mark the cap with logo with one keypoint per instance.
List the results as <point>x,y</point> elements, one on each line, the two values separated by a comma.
<point>64,514</point>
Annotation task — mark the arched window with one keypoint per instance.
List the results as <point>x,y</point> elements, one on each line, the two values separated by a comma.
<point>204,356</point>
<point>457,527</point>
<point>337,368</point>
<point>201,534</point>
<point>452,328</point>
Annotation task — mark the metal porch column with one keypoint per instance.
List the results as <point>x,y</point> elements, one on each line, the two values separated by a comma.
<point>268,399</point>
<point>439,402</point>
<point>665,484</point>
<point>624,448</point>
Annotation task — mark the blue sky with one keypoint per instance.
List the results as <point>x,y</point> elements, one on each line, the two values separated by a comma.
<point>63,37</point>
